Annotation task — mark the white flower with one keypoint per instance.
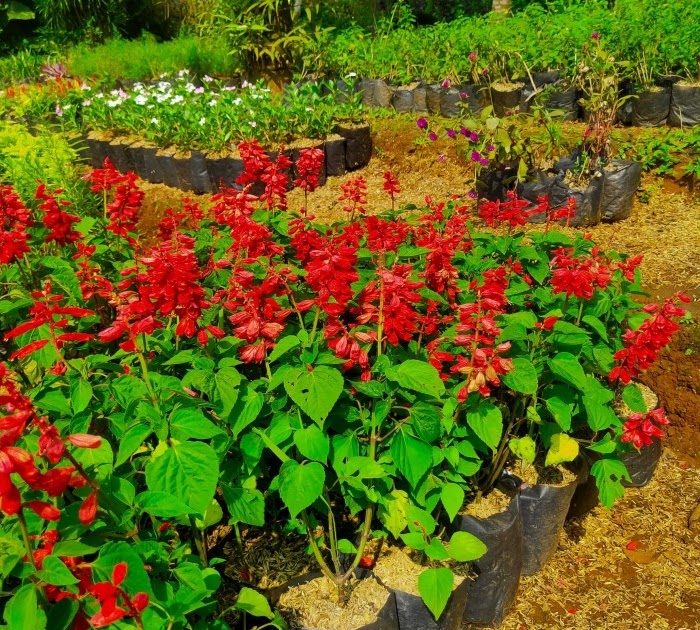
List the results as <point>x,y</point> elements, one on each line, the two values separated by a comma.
<point>163,86</point>
<point>67,106</point>
<point>199,90</point>
<point>229,88</point>
<point>141,99</point>
<point>245,84</point>
<point>178,98</point>
<point>85,87</point>
<point>113,103</point>
<point>202,120</point>
<point>87,103</point>
<point>350,75</point>
<point>252,123</point>
<point>183,72</point>
<point>154,121</point>
<point>237,101</point>
<point>163,75</point>
<point>162,97</point>
<point>212,102</point>
<point>100,95</point>
<point>190,87</point>
<point>207,78</point>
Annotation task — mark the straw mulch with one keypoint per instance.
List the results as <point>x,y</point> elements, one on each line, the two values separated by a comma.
<point>595,582</point>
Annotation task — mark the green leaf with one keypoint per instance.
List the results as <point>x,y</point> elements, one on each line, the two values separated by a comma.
<point>417,376</point>
<point>19,11</point>
<point>131,441</point>
<point>567,367</point>
<point>22,612</point>
<point>301,485</point>
<point>559,408</point>
<point>426,420</point>
<point>244,505</point>
<point>62,614</point>
<point>563,449</point>
<point>597,325</point>
<point>435,588</point>
<point>524,448</point>
<point>182,357</point>
<point>412,457</point>
<point>523,377</point>
<point>312,443</point>
<point>53,400</point>
<point>465,547</point>
<point>162,504</point>
<point>53,571</point>
<point>246,410</point>
<point>80,395</point>
<point>452,497</point>
<point>283,346</point>
<point>609,474</point>
<point>599,414</point>
<point>392,512</point>
<point>189,470</point>
<point>315,392</point>
<point>487,422</point>
<point>72,549</point>
<point>345,546</point>
<point>253,603</point>
<point>226,383</point>
<point>633,398</point>
<point>187,423</point>
<point>436,550</point>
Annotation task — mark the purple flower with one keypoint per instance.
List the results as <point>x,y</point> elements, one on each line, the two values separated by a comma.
<point>464,131</point>
<point>509,113</point>
<point>490,148</point>
<point>451,133</point>
<point>485,71</point>
<point>446,83</point>
<point>442,157</point>
<point>472,194</point>
<point>474,137</point>
<point>476,156</point>
<point>484,161</point>
<point>422,123</point>
<point>433,136</point>
<point>595,35</point>
<point>463,95</point>
<point>472,56</point>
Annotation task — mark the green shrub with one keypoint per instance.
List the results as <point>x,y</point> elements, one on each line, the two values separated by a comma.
<point>145,58</point>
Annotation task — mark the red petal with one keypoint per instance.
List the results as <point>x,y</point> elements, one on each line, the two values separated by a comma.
<point>85,440</point>
<point>28,349</point>
<point>140,601</point>
<point>44,510</point>
<point>88,510</point>
<point>119,573</point>
<point>74,336</point>
<point>23,328</point>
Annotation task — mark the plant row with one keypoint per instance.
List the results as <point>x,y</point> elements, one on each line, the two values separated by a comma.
<point>652,40</point>
<point>256,368</point>
<point>211,115</point>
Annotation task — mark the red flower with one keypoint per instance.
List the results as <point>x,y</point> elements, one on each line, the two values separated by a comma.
<point>123,211</point>
<point>391,185</point>
<point>309,166</point>
<point>355,191</point>
<point>15,219</point>
<point>642,346</point>
<point>115,603</point>
<point>44,510</point>
<point>641,429</point>
<point>513,211</point>
<point>56,220</point>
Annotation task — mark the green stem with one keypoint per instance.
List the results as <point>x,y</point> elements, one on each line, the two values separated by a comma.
<point>323,565</point>
<point>315,325</point>
<point>332,535</point>
<point>580,313</point>
<point>199,542</point>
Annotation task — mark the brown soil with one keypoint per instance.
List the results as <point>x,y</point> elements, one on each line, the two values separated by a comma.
<point>493,503</point>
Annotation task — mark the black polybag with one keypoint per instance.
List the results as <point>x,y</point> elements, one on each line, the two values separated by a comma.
<point>651,109</point>
<point>403,100</point>
<point>451,103</point>
<point>543,509</point>
<point>335,157</point>
<point>685,106</point>
<point>505,102</point>
<point>493,592</point>
<point>620,182</point>
<point>641,464</point>
<point>358,145</point>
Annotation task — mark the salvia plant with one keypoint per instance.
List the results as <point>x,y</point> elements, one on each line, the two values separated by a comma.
<point>251,366</point>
